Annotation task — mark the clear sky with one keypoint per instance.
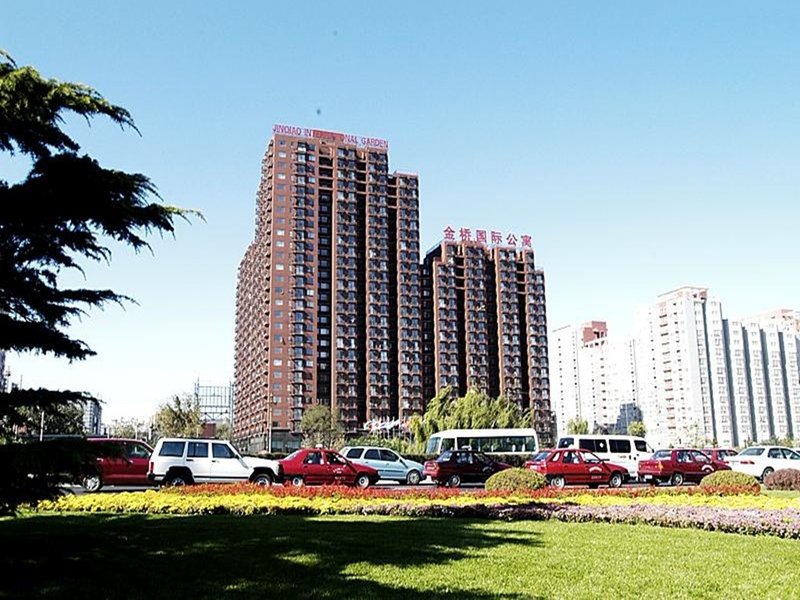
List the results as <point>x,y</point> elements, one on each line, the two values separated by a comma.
<point>644,146</point>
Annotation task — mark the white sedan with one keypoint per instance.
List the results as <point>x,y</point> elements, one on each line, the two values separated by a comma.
<point>760,461</point>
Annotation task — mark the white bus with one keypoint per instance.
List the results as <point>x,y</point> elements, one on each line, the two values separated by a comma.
<point>489,441</point>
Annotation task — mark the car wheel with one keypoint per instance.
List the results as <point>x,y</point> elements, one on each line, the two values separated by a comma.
<point>677,479</point>
<point>262,479</point>
<point>176,480</point>
<point>558,481</point>
<point>414,477</point>
<point>297,481</point>
<point>92,483</point>
<point>767,471</point>
<point>615,481</point>
<point>454,481</point>
<point>362,480</point>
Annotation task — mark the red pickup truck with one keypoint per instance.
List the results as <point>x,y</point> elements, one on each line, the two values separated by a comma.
<point>677,465</point>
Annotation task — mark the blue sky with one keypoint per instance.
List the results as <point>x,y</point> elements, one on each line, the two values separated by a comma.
<point>644,146</point>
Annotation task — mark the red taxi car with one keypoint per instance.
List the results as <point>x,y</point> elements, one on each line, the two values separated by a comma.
<point>455,467</point>
<point>317,466</point>
<point>572,466</point>
<point>676,465</point>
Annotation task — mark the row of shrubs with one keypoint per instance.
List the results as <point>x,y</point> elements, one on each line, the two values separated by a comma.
<point>783,479</point>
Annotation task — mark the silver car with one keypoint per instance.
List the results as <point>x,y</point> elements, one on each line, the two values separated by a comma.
<point>388,463</point>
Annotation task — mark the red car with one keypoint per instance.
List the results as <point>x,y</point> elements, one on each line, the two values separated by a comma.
<point>572,466</point>
<point>120,461</point>
<point>676,465</point>
<point>455,467</point>
<point>719,454</point>
<point>316,466</point>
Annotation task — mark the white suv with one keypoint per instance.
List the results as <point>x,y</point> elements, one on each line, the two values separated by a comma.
<point>179,461</point>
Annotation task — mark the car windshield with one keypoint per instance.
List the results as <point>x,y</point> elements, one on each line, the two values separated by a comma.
<point>445,456</point>
<point>752,452</point>
<point>662,454</point>
<point>540,456</point>
<point>293,455</point>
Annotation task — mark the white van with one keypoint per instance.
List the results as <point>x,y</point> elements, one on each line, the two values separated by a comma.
<point>624,450</point>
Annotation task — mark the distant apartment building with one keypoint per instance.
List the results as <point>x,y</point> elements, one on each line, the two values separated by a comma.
<point>3,372</point>
<point>485,324</point>
<point>593,378</point>
<point>92,417</point>
<point>704,379</point>
<point>328,295</point>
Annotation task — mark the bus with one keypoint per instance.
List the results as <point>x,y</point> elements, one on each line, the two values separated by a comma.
<point>489,441</point>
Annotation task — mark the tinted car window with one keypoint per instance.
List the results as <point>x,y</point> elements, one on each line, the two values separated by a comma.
<point>587,445</point>
<point>372,454</point>
<point>752,452</point>
<point>222,451</point>
<point>388,455</point>
<point>354,453</point>
<point>540,456</point>
<point>445,456</point>
<point>313,458</point>
<point>137,451</point>
<point>640,445</point>
<point>566,442</point>
<point>197,450</point>
<point>172,449</point>
<point>623,446</point>
<point>333,459</point>
<point>700,457</point>
<point>662,455</point>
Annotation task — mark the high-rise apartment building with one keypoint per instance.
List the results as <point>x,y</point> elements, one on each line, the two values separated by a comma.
<point>593,378</point>
<point>485,325</point>
<point>328,297</point>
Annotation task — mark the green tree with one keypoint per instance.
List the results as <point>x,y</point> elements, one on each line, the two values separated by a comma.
<point>322,427</point>
<point>179,418</point>
<point>637,428</point>
<point>475,410</point>
<point>65,211</point>
<point>128,428</point>
<point>577,426</point>
<point>223,431</point>
<point>62,419</point>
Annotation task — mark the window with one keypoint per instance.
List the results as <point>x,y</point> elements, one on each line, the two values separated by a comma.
<point>222,451</point>
<point>390,456</point>
<point>172,449</point>
<point>620,446</point>
<point>313,458</point>
<point>197,450</point>
<point>354,453</point>
<point>589,445</point>
<point>137,451</point>
<point>640,445</point>
<point>566,442</point>
<point>372,454</point>
<point>333,459</point>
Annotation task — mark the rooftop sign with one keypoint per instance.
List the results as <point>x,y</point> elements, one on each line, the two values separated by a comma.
<point>333,136</point>
<point>490,238</point>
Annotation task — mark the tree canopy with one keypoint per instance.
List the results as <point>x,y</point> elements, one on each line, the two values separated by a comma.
<point>322,427</point>
<point>179,418</point>
<point>637,428</point>
<point>577,426</point>
<point>475,410</point>
<point>65,212</point>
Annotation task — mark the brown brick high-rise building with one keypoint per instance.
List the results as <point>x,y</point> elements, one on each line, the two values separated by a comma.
<point>486,326</point>
<point>328,296</point>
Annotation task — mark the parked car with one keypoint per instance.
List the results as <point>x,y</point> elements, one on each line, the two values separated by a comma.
<point>455,467</point>
<point>572,466</point>
<point>178,461</point>
<point>676,465</point>
<point>120,461</point>
<point>319,466</point>
<point>625,450</point>
<point>760,461</point>
<point>719,454</point>
<point>388,463</point>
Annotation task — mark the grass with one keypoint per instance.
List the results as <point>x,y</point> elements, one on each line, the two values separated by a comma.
<point>219,556</point>
<point>781,493</point>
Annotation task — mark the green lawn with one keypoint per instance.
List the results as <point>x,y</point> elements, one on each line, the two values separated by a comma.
<point>135,556</point>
